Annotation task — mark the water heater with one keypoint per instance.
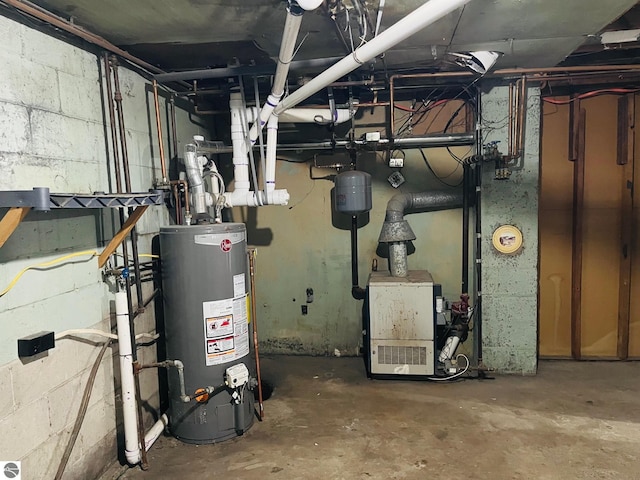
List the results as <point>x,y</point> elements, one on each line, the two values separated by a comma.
<point>204,278</point>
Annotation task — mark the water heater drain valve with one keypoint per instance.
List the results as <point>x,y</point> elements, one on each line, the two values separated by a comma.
<point>237,376</point>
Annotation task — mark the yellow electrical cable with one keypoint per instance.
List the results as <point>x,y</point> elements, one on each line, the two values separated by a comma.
<point>149,255</point>
<point>50,263</point>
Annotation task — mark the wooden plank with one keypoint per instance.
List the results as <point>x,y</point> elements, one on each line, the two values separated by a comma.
<point>555,216</point>
<point>577,134</point>
<point>10,222</point>
<point>121,235</point>
<point>626,150</point>
<point>574,131</point>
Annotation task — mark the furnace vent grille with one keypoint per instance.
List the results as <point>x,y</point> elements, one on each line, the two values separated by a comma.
<point>394,355</point>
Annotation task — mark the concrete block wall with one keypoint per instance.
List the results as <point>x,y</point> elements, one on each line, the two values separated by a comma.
<point>53,134</point>
<point>510,282</point>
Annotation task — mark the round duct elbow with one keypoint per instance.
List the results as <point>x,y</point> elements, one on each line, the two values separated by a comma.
<point>396,232</point>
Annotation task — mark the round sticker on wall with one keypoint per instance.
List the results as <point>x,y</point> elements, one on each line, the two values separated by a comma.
<point>225,245</point>
<point>507,239</point>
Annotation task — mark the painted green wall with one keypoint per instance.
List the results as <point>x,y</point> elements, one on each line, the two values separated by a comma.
<point>510,283</point>
<point>306,249</point>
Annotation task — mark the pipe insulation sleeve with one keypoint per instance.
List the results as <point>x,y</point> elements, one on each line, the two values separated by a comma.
<point>403,203</point>
<point>196,185</point>
<point>415,21</point>
<point>396,231</point>
<point>129,412</point>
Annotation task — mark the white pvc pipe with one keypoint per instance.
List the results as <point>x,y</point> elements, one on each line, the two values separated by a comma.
<point>250,199</point>
<point>314,115</point>
<point>240,153</point>
<point>272,143</point>
<point>421,17</point>
<point>155,431</point>
<point>310,4</point>
<point>129,412</point>
<point>287,45</point>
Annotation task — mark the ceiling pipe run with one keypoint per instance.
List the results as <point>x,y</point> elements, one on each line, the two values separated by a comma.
<point>48,17</point>
<point>415,21</point>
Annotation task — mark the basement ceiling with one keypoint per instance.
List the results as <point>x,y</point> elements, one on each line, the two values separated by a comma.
<point>190,34</point>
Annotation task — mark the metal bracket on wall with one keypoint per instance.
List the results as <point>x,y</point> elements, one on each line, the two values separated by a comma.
<point>20,202</point>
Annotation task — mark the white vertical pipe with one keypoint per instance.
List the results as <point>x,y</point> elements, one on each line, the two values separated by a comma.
<point>238,142</point>
<point>287,45</point>
<point>427,14</point>
<point>272,143</point>
<point>129,412</point>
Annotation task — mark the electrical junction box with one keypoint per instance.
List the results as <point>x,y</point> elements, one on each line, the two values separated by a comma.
<point>372,136</point>
<point>36,343</point>
<point>237,375</point>
<point>401,326</point>
<point>396,162</point>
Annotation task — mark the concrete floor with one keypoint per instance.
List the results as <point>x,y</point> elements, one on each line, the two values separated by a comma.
<point>326,420</point>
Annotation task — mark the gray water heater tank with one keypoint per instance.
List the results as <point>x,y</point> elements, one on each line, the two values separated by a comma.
<point>204,284</point>
<point>353,192</point>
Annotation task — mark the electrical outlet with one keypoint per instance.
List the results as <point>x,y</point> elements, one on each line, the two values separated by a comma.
<point>304,309</point>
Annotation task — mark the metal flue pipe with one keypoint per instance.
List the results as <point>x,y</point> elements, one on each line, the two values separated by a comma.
<point>396,230</point>
<point>421,17</point>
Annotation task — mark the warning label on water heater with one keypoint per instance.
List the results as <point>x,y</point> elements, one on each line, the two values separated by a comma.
<point>226,330</point>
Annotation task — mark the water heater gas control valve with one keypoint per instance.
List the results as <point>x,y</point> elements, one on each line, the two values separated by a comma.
<point>237,375</point>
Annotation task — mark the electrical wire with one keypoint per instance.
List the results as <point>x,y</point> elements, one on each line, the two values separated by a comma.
<point>91,331</point>
<point>82,411</point>
<point>438,177</point>
<point>593,93</point>
<point>45,265</point>
<point>448,379</point>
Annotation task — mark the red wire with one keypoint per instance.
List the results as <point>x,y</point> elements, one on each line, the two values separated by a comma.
<point>429,107</point>
<point>593,93</point>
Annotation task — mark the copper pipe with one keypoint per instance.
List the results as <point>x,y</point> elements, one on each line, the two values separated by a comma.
<point>252,273</point>
<point>134,250</point>
<point>185,185</point>
<point>163,165</point>
<point>176,196</point>
<point>522,114</point>
<point>510,137</point>
<point>371,104</point>
<point>46,16</point>
<point>174,130</point>
<point>391,109</point>
<point>112,122</point>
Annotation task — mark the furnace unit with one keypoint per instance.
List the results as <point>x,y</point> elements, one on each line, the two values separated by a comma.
<point>401,330</point>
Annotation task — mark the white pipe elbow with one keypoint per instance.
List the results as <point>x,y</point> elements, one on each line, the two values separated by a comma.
<point>309,5</point>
